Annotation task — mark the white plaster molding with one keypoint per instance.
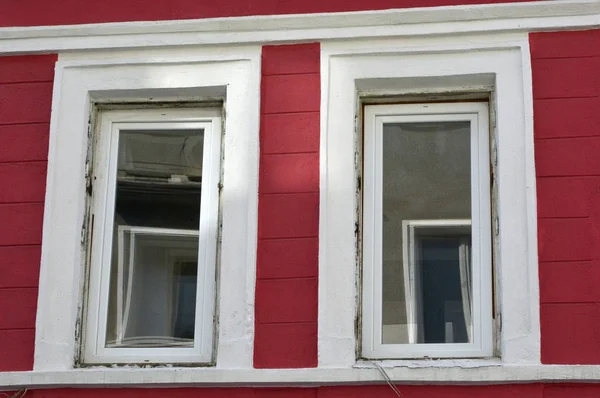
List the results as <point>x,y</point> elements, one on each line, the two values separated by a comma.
<point>414,373</point>
<point>420,66</point>
<point>427,21</point>
<point>176,75</point>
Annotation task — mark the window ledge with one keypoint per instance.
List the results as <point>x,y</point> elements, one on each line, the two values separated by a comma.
<point>204,377</point>
<point>428,363</point>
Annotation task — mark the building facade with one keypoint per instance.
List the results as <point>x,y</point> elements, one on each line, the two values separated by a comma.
<point>317,199</point>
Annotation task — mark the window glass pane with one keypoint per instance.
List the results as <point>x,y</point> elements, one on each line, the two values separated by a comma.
<point>426,233</point>
<point>155,239</point>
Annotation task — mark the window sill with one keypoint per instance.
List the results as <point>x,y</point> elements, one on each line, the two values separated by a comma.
<point>492,373</point>
<point>429,363</point>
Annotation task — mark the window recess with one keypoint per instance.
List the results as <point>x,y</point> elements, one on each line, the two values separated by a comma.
<point>151,295</point>
<point>427,261</point>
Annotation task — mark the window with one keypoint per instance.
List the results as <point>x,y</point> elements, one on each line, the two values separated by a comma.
<point>435,69</point>
<point>427,288</point>
<point>155,180</point>
<point>201,75</point>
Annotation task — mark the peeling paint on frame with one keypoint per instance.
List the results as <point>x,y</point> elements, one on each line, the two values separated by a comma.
<point>88,226</point>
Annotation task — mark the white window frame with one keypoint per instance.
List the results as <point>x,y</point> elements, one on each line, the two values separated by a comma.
<point>230,75</point>
<point>429,68</point>
<point>104,175</point>
<point>375,117</point>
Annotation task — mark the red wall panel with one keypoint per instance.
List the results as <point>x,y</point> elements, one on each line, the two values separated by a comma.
<point>582,120</point>
<point>24,142</point>
<point>68,12</point>
<point>285,345</point>
<point>288,258</point>
<point>565,197</point>
<point>384,391</point>
<point>16,346</point>
<point>570,333</point>
<point>289,133</point>
<point>565,239</point>
<point>27,181</point>
<point>278,98</point>
<point>288,216</point>
<point>27,69</point>
<point>378,391</point>
<point>17,306</point>
<point>288,209</point>
<point>277,169</point>
<point>21,224</point>
<point>25,103</point>
<point>571,390</point>
<point>370,391</point>
<point>566,89</point>
<point>19,266</point>
<point>568,156</point>
<point>565,77</point>
<point>277,300</point>
<point>577,282</point>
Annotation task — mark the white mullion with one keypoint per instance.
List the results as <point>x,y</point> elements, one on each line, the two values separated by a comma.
<point>378,233</point>
<point>370,289</point>
<point>485,227</point>
<point>105,218</point>
<point>476,264</point>
<point>203,331</point>
<point>92,330</point>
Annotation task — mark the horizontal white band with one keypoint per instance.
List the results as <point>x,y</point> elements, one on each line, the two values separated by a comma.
<point>466,19</point>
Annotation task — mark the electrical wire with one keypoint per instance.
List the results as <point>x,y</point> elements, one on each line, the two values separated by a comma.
<point>388,380</point>
<point>18,394</point>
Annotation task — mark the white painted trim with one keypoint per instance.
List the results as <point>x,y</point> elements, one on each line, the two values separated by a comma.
<point>168,75</point>
<point>416,372</point>
<point>427,21</point>
<point>426,66</point>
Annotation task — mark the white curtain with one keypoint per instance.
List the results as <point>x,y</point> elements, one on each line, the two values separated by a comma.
<point>466,284</point>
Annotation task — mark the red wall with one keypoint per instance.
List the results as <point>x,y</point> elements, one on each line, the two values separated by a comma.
<point>382,391</point>
<point>67,12</point>
<point>288,208</point>
<point>566,89</point>
<point>25,100</point>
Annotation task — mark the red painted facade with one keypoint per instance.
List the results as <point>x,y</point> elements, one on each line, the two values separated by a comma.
<point>566,89</point>
<point>25,99</point>
<point>288,226</point>
<point>70,12</point>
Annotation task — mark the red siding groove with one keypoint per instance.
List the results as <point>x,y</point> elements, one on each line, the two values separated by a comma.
<point>287,261</point>
<point>566,90</point>
<point>25,103</point>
